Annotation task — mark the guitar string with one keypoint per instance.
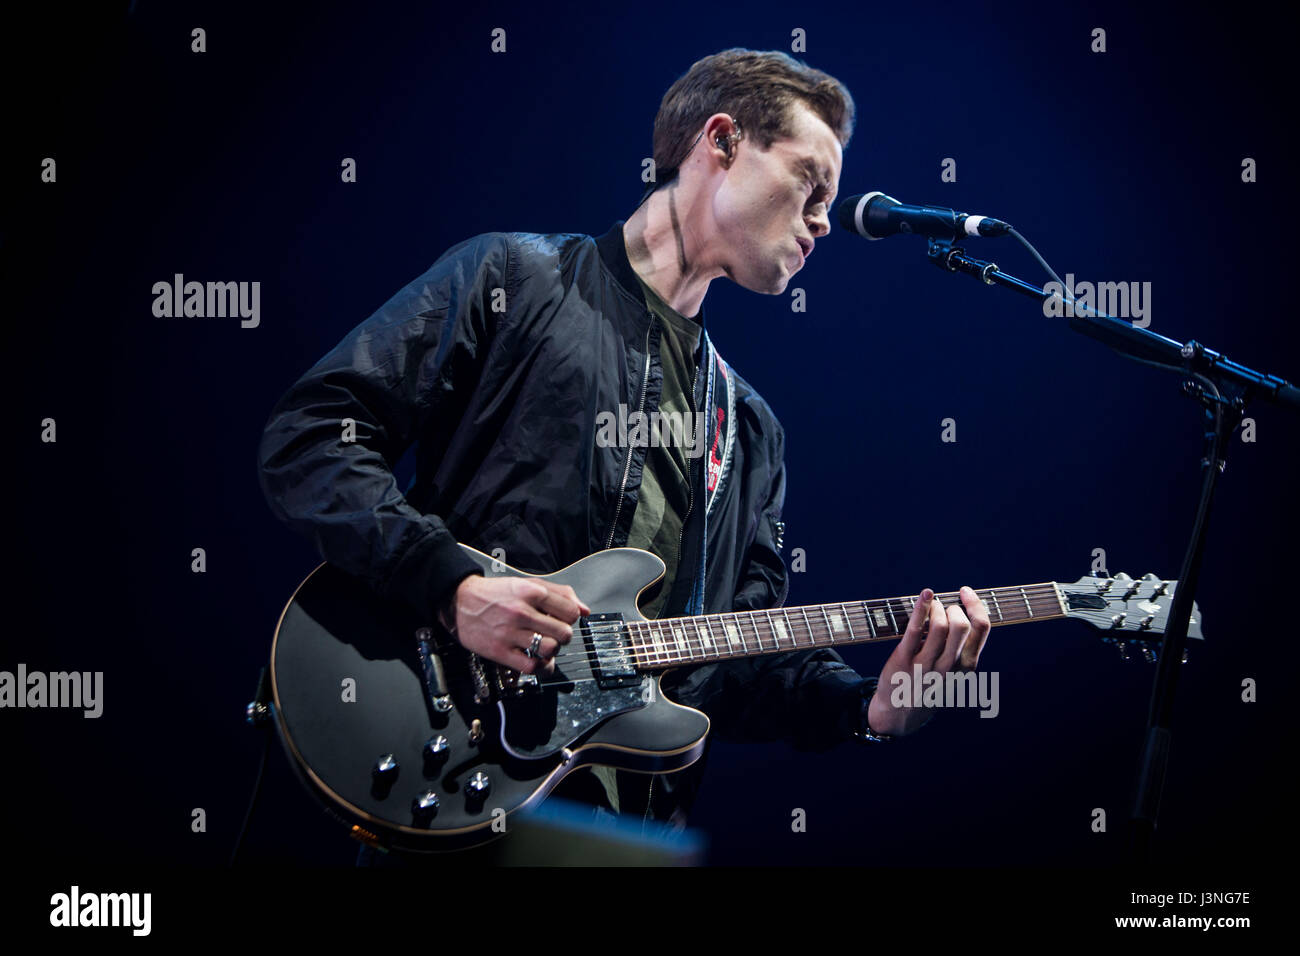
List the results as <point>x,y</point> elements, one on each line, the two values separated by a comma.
<point>1040,597</point>
<point>689,648</point>
<point>855,607</point>
<point>685,642</point>
<point>1039,600</point>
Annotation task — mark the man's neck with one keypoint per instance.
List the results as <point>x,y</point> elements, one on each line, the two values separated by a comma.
<point>667,251</point>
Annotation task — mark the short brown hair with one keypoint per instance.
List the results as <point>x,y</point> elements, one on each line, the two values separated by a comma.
<point>757,89</point>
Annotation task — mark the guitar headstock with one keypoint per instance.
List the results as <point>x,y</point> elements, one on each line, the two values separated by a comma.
<point>1131,613</point>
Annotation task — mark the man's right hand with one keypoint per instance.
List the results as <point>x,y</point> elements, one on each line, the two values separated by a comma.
<point>496,618</point>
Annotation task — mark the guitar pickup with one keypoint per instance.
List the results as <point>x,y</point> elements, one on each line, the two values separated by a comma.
<point>612,662</point>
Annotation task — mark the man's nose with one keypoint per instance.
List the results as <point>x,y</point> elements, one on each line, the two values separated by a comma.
<point>819,224</point>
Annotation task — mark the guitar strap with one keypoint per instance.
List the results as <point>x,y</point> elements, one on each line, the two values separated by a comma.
<point>723,406</point>
<point>720,394</point>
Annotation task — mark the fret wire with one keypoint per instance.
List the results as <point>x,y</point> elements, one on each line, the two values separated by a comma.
<point>786,627</point>
<point>650,644</point>
<point>740,629</point>
<point>830,631</point>
<point>871,627</point>
<point>993,593</point>
<point>753,622</point>
<point>665,650</point>
<point>767,613</point>
<point>893,615</point>
<point>713,641</point>
<point>735,628</point>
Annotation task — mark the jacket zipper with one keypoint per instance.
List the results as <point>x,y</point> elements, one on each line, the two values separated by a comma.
<point>627,467</point>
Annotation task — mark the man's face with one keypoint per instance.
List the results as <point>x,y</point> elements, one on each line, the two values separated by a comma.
<point>774,203</point>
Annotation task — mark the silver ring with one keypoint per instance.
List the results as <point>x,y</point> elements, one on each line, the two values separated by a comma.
<point>532,650</point>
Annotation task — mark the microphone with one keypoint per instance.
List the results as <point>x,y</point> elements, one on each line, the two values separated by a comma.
<point>875,215</point>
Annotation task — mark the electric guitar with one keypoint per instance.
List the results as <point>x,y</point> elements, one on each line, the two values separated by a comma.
<point>416,744</point>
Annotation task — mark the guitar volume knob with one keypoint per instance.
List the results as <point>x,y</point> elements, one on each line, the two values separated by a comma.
<point>425,804</point>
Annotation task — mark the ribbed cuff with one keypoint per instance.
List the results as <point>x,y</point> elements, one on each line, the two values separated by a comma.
<point>867,690</point>
<point>426,577</point>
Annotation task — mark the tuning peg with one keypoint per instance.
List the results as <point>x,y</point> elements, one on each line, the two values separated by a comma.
<point>1164,586</point>
<point>1123,578</point>
<point>1149,577</point>
<point>1105,585</point>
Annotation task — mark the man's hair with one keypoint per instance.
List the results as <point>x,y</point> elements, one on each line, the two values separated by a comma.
<point>758,90</point>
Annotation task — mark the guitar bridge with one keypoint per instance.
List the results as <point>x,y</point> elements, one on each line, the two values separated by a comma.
<point>510,681</point>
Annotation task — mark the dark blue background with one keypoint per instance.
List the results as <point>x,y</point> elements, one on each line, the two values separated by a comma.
<point>225,166</point>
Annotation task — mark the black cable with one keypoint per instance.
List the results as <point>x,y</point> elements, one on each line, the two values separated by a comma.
<point>257,792</point>
<point>258,714</point>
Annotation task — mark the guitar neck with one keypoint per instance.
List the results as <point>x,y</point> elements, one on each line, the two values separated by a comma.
<point>670,642</point>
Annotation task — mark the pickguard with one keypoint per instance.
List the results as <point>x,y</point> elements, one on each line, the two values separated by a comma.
<point>545,721</point>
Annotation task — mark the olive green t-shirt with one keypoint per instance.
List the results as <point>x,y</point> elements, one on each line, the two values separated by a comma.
<point>664,499</point>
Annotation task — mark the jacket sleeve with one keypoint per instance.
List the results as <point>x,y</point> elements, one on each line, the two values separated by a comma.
<point>811,699</point>
<point>405,372</point>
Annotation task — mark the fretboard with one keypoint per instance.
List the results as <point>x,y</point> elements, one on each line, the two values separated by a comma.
<point>670,642</point>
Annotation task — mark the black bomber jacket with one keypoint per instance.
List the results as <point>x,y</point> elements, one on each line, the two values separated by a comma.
<point>497,361</point>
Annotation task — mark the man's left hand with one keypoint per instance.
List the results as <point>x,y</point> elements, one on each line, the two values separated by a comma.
<point>953,643</point>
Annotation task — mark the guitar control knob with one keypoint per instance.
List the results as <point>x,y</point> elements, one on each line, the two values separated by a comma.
<point>383,774</point>
<point>442,704</point>
<point>479,784</point>
<point>436,747</point>
<point>425,804</point>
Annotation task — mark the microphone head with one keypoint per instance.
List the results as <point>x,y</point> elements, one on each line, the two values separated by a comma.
<point>854,211</point>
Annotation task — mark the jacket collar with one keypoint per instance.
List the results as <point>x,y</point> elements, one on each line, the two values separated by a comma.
<point>613,252</point>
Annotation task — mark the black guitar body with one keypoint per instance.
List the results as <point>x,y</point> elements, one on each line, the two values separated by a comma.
<point>435,751</point>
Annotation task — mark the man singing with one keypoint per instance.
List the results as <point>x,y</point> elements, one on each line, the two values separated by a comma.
<point>500,360</point>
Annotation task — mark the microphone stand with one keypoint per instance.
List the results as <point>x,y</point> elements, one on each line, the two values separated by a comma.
<point>1222,387</point>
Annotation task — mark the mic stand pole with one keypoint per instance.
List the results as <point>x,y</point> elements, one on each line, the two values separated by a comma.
<point>1222,387</point>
